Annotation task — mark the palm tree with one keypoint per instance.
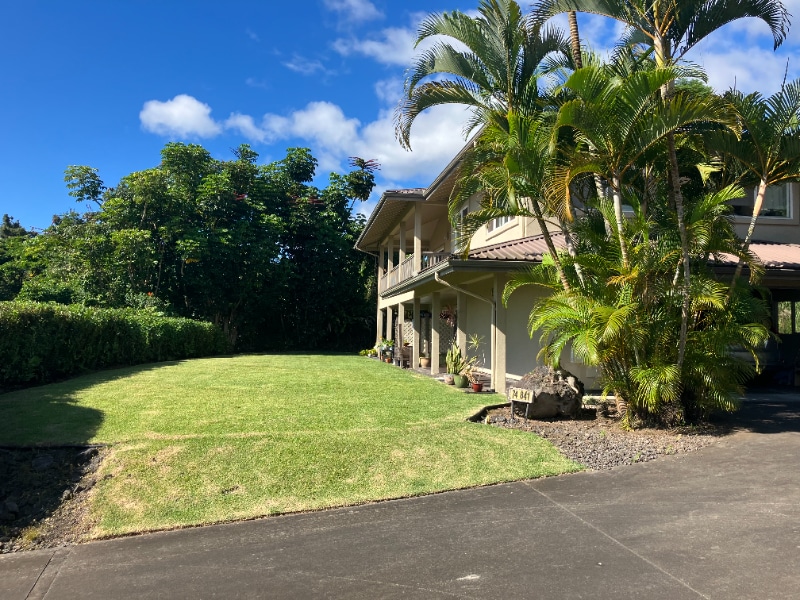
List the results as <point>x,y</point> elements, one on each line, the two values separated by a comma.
<point>492,64</point>
<point>672,28</point>
<point>618,119</point>
<point>768,152</point>
<point>626,320</point>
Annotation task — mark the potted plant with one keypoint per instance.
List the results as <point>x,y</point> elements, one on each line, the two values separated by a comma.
<point>425,361</point>
<point>458,366</point>
<point>387,349</point>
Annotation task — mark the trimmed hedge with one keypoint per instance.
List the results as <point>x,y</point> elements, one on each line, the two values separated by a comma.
<point>42,342</point>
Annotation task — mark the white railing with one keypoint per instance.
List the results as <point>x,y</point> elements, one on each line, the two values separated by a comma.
<point>405,270</point>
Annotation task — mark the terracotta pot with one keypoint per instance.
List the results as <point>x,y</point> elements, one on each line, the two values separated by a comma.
<point>424,362</point>
<point>477,387</point>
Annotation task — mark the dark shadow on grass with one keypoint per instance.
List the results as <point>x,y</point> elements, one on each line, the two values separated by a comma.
<point>43,470</point>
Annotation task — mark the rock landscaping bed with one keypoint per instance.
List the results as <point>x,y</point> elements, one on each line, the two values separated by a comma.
<point>598,442</point>
<point>43,493</point>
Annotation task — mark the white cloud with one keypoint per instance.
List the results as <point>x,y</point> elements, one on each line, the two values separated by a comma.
<point>389,91</point>
<point>183,116</point>
<point>749,69</point>
<point>393,46</point>
<point>305,66</point>
<point>435,138</point>
<point>246,126</point>
<point>354,10</point>
<point>257,83</point>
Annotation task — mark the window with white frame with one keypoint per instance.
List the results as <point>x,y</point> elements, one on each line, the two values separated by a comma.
<point>777,203</point>
<point>498,222</point>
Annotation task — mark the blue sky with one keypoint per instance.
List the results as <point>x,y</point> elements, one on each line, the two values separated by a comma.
<point>107,83</point>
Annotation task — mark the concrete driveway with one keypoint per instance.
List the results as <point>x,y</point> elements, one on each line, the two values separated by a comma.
<point>723,522</point>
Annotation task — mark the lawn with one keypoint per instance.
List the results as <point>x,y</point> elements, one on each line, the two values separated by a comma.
<point>221,439</point>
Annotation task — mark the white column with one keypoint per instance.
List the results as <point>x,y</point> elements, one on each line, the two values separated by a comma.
<point>381,267</point>
<point>401,319</point>
<point>436,308</point>
<point>401,251</point>
<point>417,334</point>
<point>461,311</point>
<point>499,363</point>
<point>417,237</point>
<point>389,320</point>
<point>389,254</point>
<point>379,327</point>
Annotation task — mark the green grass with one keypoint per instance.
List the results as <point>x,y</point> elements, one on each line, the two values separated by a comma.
<point>221,439</point>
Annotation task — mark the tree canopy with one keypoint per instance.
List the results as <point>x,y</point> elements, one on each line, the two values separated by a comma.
<point>253,248</point>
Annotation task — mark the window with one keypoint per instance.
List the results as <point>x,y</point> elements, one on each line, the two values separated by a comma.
<point>777,203</point>
<point>788,316</point>
<point>498,222</point>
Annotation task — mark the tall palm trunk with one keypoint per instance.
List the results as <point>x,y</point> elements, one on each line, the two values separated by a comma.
<point>762,190</point>
<point>664,58</point>
<point>617,197</point>
<point>575,39</point>
<point>548,240</point>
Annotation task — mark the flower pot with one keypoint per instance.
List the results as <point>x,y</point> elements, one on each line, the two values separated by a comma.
<point>448,378</point>
<point>424,362</point>
<point>477,387</point>
<point>460,381</point>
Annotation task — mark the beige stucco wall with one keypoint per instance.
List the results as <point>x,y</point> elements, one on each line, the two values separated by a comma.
<point>521,350</point>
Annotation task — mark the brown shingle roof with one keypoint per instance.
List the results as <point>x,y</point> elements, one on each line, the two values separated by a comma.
<point>772,254</point>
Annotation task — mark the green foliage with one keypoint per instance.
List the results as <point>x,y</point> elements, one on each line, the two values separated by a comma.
<point>457,363</point>
<point>625,320</point>
<point>45,342</point>
<point>251,248</point>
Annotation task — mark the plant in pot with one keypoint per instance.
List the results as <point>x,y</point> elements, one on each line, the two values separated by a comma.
<point>458,366</point>
<point>424,360</point>
<point>474,379</point>
<point>451,361</point>
<point>387,349</point>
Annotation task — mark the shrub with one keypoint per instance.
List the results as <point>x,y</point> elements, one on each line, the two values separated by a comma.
<point>46,342</point>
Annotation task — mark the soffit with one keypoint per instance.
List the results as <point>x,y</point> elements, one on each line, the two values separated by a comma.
<point>393,206</point>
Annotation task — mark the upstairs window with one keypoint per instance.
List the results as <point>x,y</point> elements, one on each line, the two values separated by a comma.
<point>777,203</point>
<point>498,223</point>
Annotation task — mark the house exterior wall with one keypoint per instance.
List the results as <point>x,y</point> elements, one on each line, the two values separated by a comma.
<point>522,351</point>
<point>774,229</point>
<point>426,228</point>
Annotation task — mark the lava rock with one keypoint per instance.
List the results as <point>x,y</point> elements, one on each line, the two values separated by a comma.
<point>556,393</point>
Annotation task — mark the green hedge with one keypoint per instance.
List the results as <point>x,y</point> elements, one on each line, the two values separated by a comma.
<point>41,342</point>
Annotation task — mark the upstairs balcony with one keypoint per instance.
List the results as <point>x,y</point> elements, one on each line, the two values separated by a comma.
<point>405,270</point>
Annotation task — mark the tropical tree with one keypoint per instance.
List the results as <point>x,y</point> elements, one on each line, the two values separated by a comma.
<point>625,321</point>
<point>671,29</point>
<point>253,248</point>
<point>494,64</point>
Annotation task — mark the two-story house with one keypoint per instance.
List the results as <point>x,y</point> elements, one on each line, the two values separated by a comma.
<point>428,296</point>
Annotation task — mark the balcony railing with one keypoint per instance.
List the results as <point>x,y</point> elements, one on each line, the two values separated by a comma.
<point>405,270</point>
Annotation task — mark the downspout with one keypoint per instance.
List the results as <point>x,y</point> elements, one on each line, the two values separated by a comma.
<point>493,304</point>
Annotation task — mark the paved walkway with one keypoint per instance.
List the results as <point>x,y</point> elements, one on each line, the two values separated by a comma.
<point>723,522</point>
